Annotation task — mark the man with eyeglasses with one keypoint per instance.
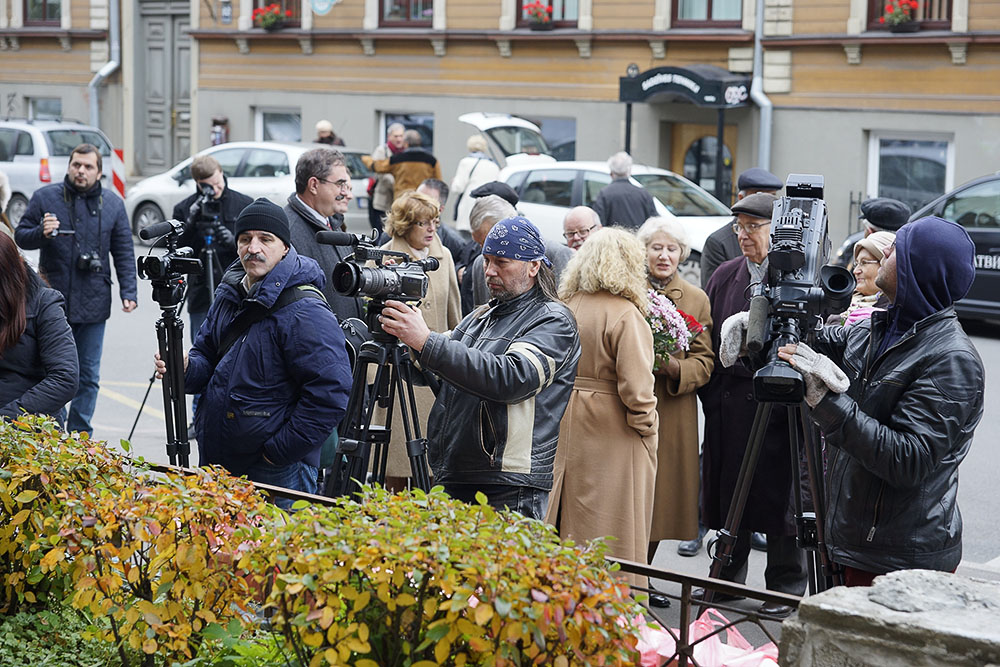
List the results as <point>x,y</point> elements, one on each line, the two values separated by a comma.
<point>730,408</point>
<point>579,223</point>
<point>322,195</point>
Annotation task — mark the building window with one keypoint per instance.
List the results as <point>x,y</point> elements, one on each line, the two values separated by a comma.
<point>44,108</point>
<point>417,13</point>
<point>707,13</point>
<point>292,19</point>
<point>42,12</point>
<point>277,125</point>
<point>699,166</point>
<point>565,13</point>
<point>911,169</point>
<point>930,14</point>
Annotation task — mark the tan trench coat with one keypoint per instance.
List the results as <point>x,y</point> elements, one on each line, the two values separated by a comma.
<point>675,505</point>
<point>606,457</point>
<point>442,311</point>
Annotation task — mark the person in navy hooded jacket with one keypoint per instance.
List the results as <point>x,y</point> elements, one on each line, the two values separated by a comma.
<point>270,400</point>
<point>899,409</point>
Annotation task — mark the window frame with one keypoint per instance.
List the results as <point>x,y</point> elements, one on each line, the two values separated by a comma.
<point>47,21</point>
<point>676,22</point>
<point>258,121</point>
<point>403,23</point>
<point>877,7</point>
<point>875,138</point>
<point>522,22</point>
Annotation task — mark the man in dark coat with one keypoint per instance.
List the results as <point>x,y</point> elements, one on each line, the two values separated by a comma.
<point>273,396</point>
<point>77,226</point>
<point>409,168</point>
<point>722,244</point>
<point>897,434</point>
<point>730,408</point>
<point>212,223</point>
<point>621,203</point>
<point>322,193</point>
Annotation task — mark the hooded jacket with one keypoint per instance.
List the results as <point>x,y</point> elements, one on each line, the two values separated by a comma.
<point>895,439</point>
<point>101,227</point>
<point>282,388</point>
<point>508,371</point>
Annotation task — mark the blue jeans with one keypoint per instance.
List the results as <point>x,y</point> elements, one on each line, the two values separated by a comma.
<point>196,321</point>
<point>89,345</point>
<point>526,500</point>
<point>297,476</point>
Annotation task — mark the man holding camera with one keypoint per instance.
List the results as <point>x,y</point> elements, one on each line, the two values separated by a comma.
<point>508,370</point>
<point>210,214</point>
<point>899,409</point>
<point>270,361</point>
<point>77,227</point>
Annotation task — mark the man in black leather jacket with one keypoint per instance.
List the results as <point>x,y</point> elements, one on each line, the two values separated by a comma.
<point>896,436</point>
<point>212,222</point>
<point>507,369</point>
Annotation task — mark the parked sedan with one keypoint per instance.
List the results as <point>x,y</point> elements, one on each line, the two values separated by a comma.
<point>548,190</point>
<point>255,168</point>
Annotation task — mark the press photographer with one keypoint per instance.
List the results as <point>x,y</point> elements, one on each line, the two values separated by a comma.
<point>210,214</point>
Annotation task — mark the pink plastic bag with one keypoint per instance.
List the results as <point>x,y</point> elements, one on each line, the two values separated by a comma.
<point>656,645</point>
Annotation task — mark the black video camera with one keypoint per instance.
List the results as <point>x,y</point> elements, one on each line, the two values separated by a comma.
<point>206,208</point>
<point>405,281</point>
<point>165,271</point>
<point>89,261</point>
<point>799,290</point>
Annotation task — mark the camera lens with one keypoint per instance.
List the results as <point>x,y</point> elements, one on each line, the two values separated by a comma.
<point>345,278</point>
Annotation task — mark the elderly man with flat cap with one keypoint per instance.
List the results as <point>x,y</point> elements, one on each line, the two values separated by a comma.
<point>270,361</point>
<point>730,409</point>
<point>722,244</point>
<point>507,372</point>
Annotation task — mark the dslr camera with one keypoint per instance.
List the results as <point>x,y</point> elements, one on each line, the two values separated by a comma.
<point>800,288</point>
<point>89,261</point>
<point>206,207</point>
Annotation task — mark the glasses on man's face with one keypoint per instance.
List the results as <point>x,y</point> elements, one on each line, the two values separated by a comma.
<point>582,233</point>
<point>343,185</point>
<point>749,228</point>
<point>429,224</point>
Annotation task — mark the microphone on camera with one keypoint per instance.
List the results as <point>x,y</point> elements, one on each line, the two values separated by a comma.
<point>157,229</point>
<point>335,238</point>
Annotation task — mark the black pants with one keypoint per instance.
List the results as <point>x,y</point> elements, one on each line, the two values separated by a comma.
<point>375,217</point>
<point>786,570</point>
<point>526,500</point>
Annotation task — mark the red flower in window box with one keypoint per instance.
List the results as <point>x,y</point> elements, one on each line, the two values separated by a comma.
<point>270,17</point>
<point>538,12</point>
<point>899,11</point>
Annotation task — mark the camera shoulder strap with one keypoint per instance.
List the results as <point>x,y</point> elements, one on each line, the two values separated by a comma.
<point>256,313</point>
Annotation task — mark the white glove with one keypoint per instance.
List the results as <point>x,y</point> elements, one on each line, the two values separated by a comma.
<point>819,373</point>
<point>733,340</point>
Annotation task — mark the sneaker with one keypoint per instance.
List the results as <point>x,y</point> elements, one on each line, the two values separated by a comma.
<point>758,541</point>
<point>689,547</point>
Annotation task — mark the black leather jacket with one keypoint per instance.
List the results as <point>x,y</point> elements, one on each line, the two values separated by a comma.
<point>508,371</point>
<point>895,440</point>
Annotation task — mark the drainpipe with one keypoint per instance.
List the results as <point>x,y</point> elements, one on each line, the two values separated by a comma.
<point>114,38</point>
<point>757,92</point>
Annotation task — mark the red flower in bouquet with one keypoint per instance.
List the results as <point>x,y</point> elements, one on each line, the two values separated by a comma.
<point>673,329</point>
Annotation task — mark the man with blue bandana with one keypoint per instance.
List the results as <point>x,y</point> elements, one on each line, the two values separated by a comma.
<point>507,371</point>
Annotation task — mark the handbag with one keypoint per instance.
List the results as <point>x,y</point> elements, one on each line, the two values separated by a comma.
<point>656,646</point>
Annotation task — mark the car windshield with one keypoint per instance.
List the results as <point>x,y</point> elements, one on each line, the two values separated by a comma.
<point>680,197</point>
<point>62,142</point>
<point>513,140</point>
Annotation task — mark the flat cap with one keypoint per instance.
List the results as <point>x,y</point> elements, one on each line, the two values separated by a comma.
<point>497,188</point>
<point>758,205</point>
<point>885,213</point>
<point>756,178</point>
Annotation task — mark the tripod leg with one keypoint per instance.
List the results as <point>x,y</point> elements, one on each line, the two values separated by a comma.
<point>416,446</point>
<point>161,339</point>
<point>178,403</point>
<point>831,572</point>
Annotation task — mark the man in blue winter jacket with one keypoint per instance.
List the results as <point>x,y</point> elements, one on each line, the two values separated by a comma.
<point>77,225</point>
<point>270,362</point>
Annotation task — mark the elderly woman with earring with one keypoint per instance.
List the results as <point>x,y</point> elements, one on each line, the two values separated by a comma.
<point>868,254</point>
<point>675,503</point>
<point>412,227</point>
<point>606,456</point>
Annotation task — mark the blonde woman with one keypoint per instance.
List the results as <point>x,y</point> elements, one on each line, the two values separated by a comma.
<point>473,170</point>
<point>606,457</point>
<point>412,226</point>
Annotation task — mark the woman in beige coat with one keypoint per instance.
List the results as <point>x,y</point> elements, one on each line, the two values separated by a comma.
<point>412,225</point>
<point>606,457</point>
<point>675,506</point>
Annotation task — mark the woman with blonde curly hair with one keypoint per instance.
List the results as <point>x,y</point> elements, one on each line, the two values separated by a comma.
<point>412,227</point>
<point>605,463</point>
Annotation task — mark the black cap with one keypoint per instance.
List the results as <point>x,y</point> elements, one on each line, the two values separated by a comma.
<point>264,216</point>
<point>758,205</point>
<point>756,178</point>
<point>497,188</point>
<point>886,214</point>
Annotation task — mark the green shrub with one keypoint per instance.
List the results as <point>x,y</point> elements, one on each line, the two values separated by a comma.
<point>423,579</point>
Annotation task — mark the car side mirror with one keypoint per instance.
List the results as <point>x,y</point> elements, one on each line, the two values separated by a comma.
<point>180,177</point>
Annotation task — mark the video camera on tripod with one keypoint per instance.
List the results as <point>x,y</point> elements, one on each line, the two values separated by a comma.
<point>801,287</point>
<point>206,208</point>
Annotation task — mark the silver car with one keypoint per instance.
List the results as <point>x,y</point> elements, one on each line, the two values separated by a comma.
<point>255,168</point>
<point>34,153</point>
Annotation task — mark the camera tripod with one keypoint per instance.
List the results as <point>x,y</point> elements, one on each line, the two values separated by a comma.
<point>169,294</point>
<point>361,441</point>
<point>822,572</point>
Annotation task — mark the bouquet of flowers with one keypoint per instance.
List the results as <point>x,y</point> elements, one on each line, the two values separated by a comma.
<point>673,329</point>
